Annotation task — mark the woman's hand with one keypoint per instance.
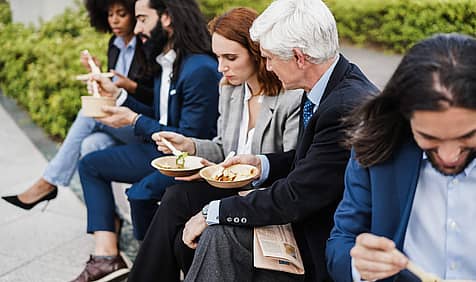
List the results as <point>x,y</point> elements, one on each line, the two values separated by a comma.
<point>125,82</point>
<point>179,141</point>
<point>196,176</point>
<point>84,61</point>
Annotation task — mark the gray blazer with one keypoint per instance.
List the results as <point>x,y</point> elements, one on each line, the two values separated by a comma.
<point>276,128</point>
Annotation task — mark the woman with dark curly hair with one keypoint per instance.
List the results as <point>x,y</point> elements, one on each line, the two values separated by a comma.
<point>127,60</point>
<point>125,54</point>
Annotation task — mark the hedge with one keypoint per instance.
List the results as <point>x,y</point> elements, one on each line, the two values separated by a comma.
<point>212,8</point>
<point>37,66</point>
<point>398,24</point>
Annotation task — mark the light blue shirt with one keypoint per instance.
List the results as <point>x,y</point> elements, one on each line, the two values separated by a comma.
<point>126,54</point>
<point>315,96</point>
<point>441,233</point>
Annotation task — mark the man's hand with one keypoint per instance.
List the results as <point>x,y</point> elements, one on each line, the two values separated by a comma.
<point>376,257</point>
<point>193,229</point>
<point>106,87</point>
<point>245,159</point>
<point>179,141</point>
<point>125,82</point>
<point>119,116</point>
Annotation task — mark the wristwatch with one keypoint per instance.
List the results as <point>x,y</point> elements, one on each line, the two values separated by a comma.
<point>205,211</point>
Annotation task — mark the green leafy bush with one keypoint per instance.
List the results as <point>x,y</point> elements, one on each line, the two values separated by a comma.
<point>5,13</point>
<point>398,24</point>
<point>211,8</point>
<point>37,67</point>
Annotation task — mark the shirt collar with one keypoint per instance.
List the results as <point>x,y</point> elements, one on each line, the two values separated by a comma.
<point>317,91</point>
<point>167,59</point>
<point>247,92</point>
<point>119,43</point>
<point>466,171</point>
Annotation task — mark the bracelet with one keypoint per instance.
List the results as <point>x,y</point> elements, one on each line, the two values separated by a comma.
<point>134,121</point>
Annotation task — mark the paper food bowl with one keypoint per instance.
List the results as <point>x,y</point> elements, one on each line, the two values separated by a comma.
<point>91,106</point>
<point>167,165</point>
<point>244,175</point>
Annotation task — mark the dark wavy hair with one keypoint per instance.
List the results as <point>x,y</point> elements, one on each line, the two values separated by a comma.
<point>98,11</point>
<point>235,25</point>
<point>435,74</point>
<point>190,34</point>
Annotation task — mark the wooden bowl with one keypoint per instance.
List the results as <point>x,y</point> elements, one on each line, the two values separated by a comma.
<point>167,166</point>
<point>245,175</point>
<point>91,106</point>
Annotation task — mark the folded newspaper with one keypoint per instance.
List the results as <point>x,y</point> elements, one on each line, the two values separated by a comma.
<point>275,248</point>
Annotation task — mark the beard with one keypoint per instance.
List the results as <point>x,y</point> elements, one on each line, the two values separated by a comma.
<point>155,43</point>
<point>457,170</point>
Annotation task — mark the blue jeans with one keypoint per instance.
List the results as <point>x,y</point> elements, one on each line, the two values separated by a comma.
<point>85,136</point>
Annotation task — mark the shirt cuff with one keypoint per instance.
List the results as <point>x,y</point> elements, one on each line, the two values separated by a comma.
<point>121,98</point>
<point>355,273</point>
<point>264,171</point>
<point>213,215</point>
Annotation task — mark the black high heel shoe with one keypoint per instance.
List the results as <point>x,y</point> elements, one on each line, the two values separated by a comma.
<point>14,200</point>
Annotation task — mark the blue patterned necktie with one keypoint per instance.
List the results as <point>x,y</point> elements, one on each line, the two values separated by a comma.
<point>307,111</point>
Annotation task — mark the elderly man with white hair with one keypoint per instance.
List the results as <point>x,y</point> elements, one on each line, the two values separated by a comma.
<point>299,39</point>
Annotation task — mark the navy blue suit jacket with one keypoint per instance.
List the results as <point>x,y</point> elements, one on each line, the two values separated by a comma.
<point>192,105</point>
<point>376,200</point>
<point>307,183</point>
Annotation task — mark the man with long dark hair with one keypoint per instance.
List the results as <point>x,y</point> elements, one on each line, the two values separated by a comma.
<point>185,101</point>
<point>411,178</point>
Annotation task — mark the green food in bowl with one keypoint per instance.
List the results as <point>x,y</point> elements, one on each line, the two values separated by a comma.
<point>180,161</point>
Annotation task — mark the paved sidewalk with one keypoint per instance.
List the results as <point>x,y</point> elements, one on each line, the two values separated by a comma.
<point>52,245</point>
<point>36,246</point>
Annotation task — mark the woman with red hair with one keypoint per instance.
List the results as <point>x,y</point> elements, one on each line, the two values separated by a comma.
<point>256,116</point>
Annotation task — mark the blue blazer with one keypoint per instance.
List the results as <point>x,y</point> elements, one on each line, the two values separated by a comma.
<point>192,105</point>
<point>376,200</point>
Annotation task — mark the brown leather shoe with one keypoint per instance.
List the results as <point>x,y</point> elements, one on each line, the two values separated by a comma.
<point>103,269</point>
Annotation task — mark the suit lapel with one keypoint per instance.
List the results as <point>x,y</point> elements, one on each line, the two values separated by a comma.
<point>407,168</point>
<point>236,113</point>
<point>336,77</point>
<point>266,113</point>
<point>113,55</point>
<point>305,134</point>
<point>135,66</point>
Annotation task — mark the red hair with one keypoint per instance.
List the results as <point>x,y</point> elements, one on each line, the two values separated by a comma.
<point>235,25</point>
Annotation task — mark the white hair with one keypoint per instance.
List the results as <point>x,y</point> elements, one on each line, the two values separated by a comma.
<point>305,24</point>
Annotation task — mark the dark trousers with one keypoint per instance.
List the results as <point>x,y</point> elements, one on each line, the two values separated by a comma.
<point>162,253</point>
<point>127,163</point>
<point>225,253</point>
<point>143,197</point>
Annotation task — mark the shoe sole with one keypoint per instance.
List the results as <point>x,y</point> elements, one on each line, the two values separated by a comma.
<point>126,259</point>
<point>115,276</point>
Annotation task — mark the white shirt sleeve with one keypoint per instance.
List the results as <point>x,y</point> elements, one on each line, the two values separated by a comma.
<point>213,216</point>
<point>121,98</point>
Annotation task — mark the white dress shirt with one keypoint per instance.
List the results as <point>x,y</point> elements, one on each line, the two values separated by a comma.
<point>166,61</point>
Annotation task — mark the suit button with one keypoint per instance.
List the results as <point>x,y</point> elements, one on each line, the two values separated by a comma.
<point>243,220</point>
<point>229,219</point>
<point>236,220</point>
